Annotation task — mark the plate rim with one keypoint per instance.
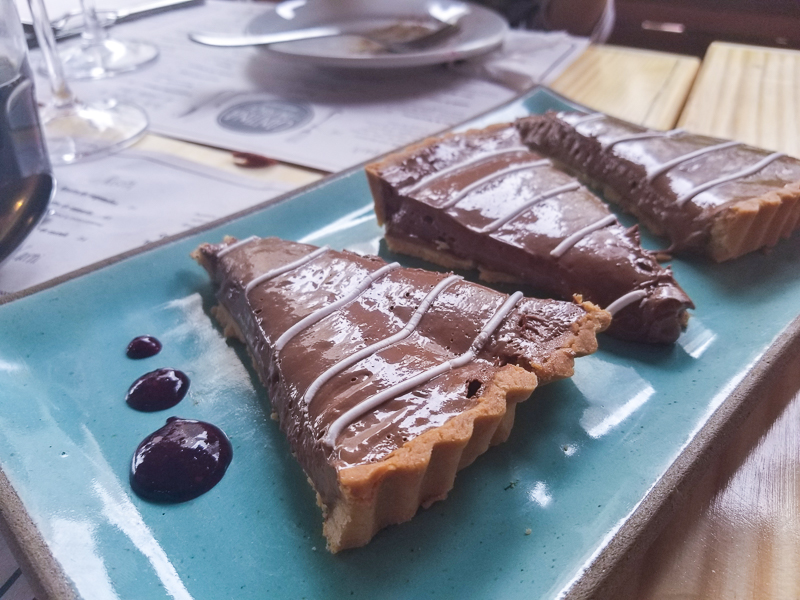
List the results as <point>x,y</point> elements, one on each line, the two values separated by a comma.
<point>467,49</point>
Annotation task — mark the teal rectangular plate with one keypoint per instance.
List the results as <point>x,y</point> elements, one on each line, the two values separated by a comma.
<point>527,520</point>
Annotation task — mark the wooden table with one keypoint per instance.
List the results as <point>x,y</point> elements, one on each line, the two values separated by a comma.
<point>748,94</point>
<point>739,536</point>
<point>648,88</point>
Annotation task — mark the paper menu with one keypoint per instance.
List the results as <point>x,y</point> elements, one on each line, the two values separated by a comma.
<point>121,202</point>
<point>249,100</point>
<point>246,99</point>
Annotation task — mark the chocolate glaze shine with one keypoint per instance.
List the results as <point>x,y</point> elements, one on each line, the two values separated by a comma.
<point>603,266</point>
<point>429,159</point>
<point>625,166</point>
<point>446,330</point>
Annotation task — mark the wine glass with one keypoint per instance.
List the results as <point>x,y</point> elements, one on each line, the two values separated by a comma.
<point>98,55</point>
<point>76,130</point>
<point>26,183</point>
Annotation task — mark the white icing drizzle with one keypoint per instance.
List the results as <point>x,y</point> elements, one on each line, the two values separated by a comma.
<point>463,165</point>
<point>663,168</point>
<point>323,312</point>
<point>235,245</point>
<point>686,196</point>
<point>355,413</point>
<point>497,223</point>
<point>379,345</point>
<point>623,301</point>
<point>646,135</point>
<point>576,237</point>
<point>368,432</point>
<point>588,118</point>
<point>492,176</point>
<point>284,269</point>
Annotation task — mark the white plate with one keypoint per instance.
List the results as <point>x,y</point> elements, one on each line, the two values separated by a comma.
<point>481,30</point>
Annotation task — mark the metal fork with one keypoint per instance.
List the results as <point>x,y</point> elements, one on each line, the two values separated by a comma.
<point>442,31</point>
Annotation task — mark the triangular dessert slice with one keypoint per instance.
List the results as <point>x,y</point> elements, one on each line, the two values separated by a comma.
<point>386,380</point>
<point>483,199</point>
<point>715,197</point>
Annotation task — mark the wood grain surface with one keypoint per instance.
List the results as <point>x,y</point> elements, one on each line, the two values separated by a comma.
<point>745,543</point>
<point>747,93</point>
<point>645,87</point>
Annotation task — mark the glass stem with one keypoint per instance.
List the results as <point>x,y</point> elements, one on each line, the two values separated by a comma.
<point>62,93</point>
<point>93,30</point>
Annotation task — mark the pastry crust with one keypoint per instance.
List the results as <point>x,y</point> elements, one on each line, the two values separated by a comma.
<point>371,495</point>
<point>755,223</point>
<point>423,470</point>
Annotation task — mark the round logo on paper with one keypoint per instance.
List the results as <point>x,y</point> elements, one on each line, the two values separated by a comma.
<point>265,116</point>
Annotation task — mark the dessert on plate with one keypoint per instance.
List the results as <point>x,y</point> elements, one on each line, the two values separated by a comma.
<point>386,380</point>
<point>715,197</point>
<point>482,199</point>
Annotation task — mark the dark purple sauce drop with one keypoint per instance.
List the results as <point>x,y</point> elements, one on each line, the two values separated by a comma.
<point>157,390</point>
<point>180,461</point>
<point>143,347</point>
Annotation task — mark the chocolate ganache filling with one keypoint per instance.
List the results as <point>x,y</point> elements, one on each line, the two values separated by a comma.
<point>483,199</point>
<point>718,197</point>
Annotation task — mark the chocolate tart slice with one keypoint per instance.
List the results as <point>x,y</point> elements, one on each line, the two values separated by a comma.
<point>386,380</point>
<point>482,199</point>
<point>710,196</point>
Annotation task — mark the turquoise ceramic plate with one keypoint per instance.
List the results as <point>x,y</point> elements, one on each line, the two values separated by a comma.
<point>525,521</point>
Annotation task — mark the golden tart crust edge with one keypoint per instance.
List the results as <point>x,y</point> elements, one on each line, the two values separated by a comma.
<point>755,223</point>
<point>423,470</point>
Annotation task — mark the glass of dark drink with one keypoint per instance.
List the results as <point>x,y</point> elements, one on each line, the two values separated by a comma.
<point>22,151</point>
<point>26,183</point>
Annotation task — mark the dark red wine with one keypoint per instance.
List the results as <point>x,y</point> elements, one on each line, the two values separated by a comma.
<point>181,461</point>
<point>157,390</point>
<point>25,181</point>
<point>22,149</point>
<point>22,204</point>
<point>143,346</point>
